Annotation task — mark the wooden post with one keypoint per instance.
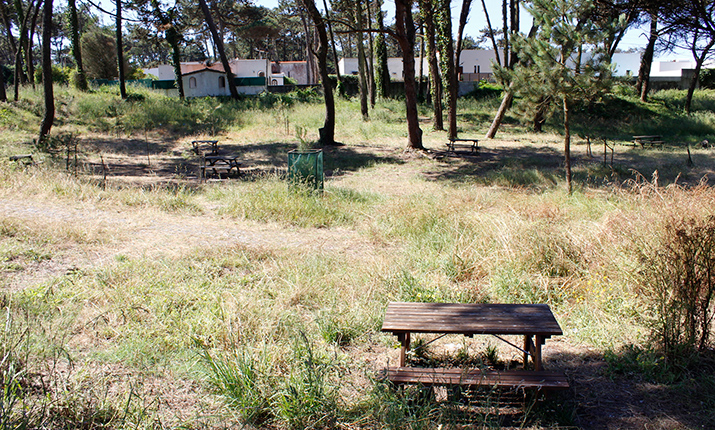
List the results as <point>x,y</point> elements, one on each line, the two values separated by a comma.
<point>538,341</point>
<point>528,347</point>
<point>405,340</point>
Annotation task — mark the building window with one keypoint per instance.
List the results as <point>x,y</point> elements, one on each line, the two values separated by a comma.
<point>222,82</point>
<point>192,82</point>
<point>274,82</point>
<point>261,74</point>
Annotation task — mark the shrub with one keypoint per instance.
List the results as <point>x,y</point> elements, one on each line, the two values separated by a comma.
<point>679,278</point>
<point>485,90</point>
<point>60,75</point>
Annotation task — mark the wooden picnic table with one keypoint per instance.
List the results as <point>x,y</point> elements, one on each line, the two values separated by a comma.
<point>534,322</point>
<point>218,164</point>
<point>652,140</point>
<point>472,145</point>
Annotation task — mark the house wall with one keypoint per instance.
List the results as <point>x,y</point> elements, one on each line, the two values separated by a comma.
<point>349,66</point>
<point>205,83</point>
<point>250,68</point>
<point>163,72</point>
<point>297,70</point>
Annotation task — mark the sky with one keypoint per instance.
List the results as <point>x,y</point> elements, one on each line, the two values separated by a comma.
<point>635,38</point>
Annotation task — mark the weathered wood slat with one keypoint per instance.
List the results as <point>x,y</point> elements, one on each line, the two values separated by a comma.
<point>475,377</point>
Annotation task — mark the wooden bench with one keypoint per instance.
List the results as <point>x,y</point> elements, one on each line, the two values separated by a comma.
<point>24,159</point>
<point>471,145</point>
<point>651,140</point>
<point>515,379</point>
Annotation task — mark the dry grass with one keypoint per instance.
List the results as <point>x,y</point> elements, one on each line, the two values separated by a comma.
<point>117,282</point>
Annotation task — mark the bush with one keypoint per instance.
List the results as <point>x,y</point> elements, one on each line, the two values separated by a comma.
<point>679,279</point>
<point>60,75</point>
<point>707,79</point>
<point>485,90</point>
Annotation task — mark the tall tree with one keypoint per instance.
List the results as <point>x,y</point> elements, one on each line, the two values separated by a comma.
<point>120,51</point>
<point>508,62</point>
<point>549,73</point>
<point>218,42</point>
<point>382,74</point>
<point>362,63</point>
<point>49,116</point>
<point>405,33</point>
<point>327,133</point>
<point>166,21</point>
<point>427,11</point>
<point>643,82</point>
<point>80,78</point>
<point>693,23</point>
<point>445,44</point>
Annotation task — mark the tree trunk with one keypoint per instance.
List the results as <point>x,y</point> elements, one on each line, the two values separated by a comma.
<point>8,26</point>
<point>172,36</point>
<point>454,84</point>
<point>449,75</point>
<point>327,133</point>
<point>3,93</point>
<point>567,146</point>
<point>382,74</point>
<point>371,56</point>
<point>643,82</point>
<point>699,60</point>
<point>405,34</point>
<point>491,33</point>
<point>427,9</point>
<point>49,117</point>
<point>362,73</point>
<point>80,79</point>
<point>28,50</point>
<point>506,101</point>
<point>19,69</point>
<point>218,42</point>
<point>332,40</point>
<point>120,51</point>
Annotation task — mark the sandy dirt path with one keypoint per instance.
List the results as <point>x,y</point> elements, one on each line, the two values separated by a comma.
<point>107,233</point>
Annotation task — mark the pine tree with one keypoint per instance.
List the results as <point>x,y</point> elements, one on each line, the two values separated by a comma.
<point>551,73</point>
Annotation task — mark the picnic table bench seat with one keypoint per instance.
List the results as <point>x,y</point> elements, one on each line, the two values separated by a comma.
<point>539,380</point>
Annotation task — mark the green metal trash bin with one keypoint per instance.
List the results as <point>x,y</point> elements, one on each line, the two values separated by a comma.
<point>305,168</point>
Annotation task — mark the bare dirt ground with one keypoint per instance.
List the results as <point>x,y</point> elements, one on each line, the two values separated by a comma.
<point>599,401</point>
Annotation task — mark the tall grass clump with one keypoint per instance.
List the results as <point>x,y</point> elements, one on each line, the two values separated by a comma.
<point>244,380</point>
<point>299,392</point>
<point>272,199</point>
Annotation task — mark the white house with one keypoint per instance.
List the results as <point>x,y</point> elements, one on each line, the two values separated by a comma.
<point>206,79</point>
<point>349,66</point>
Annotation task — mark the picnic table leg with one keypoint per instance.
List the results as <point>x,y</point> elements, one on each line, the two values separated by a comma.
<point>405,340</point>
<point>537,352</point>
<point>528,348</point>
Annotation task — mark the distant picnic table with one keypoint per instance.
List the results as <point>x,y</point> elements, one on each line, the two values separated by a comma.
<point>212,162</point>
<point>648,140</point>
<point>534,322</point>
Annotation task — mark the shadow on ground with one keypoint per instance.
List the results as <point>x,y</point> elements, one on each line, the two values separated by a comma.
<point>601,399</point>
<point>530,166</point>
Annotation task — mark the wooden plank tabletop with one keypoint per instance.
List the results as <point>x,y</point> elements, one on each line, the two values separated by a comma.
<point>459,318</point>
